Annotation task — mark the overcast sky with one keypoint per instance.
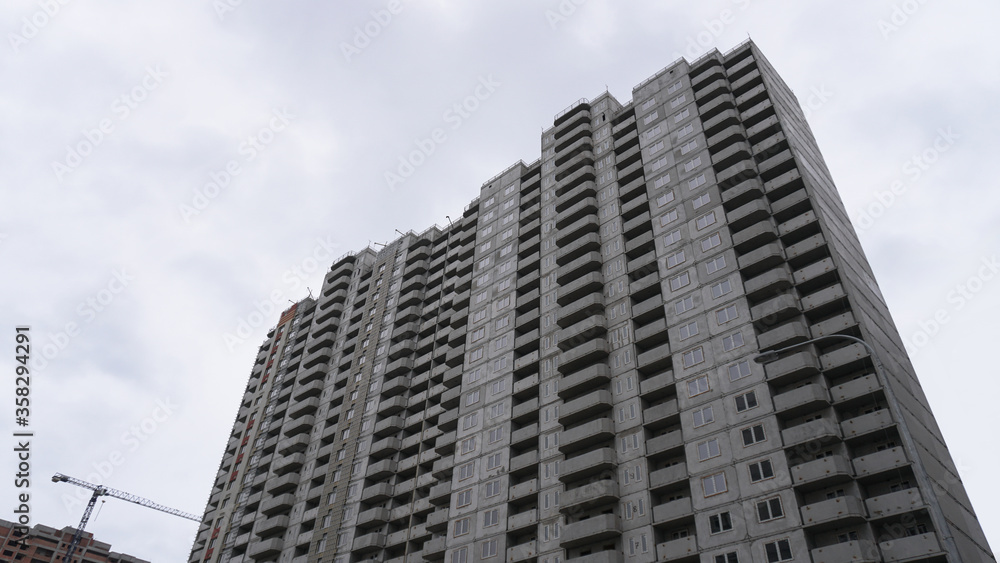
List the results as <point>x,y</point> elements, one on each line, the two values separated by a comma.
<point>131,266</point>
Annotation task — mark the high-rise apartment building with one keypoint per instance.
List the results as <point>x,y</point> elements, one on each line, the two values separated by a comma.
<point>42,544</point>
<point>567,371</point>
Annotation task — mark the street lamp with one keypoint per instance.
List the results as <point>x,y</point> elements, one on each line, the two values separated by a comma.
<point>923,479</point>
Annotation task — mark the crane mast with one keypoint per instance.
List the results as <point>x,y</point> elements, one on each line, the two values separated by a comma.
<point>99,491</point>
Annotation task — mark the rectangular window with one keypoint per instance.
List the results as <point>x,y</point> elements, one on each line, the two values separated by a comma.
<point>685,131</point>
<point>698,385</point>
<point>659,163</point>
<point>708,449</point>
<point>776,551</point>
<point>466,471</point>
<point>721,288</point>
<point>678,100</point>
<point>460,555</point>
<point>739,370</point>
<point>672,237</point>
<point>693,357</point>
<point>498,386</point>
<point>491,518</point>
<point>495,435</point>
<point>692,164</point>
<point>464,498</point>
<point>761,470</point>
<point>664,198</point>
<point>492,488</point>
<point>725,315</point>
<point>648,104</point>
<point>489,548</point>
<point>715,264</point>
<point>497,410</point>
<point>478,334</point>
<point>680,281</point>
<point>688,330</point>
<point>655,147</point>
<point>702,200</point>
<point>476,354</point>
<point>689,146</point>
<point>711,242</point>
<point>649,118</point>
<point>705,220</point>
<point>769,509</point>
<point>470,421</point>
<point>683,305</point>
<point>675,259</point>
<point>722,522</point>
<point>468,445</point>
<point>746,401</point>
<point>753,435</point>
<point>462,526</point>
<point>668,217</point>
<point>714,484</point>
<point>681,115</point>
<point>696,182</point>
<point>502,322</point>
<point>703,416</point>
<point>472,398</point>
<point>730,557</point>
<point>733,341</point>
<point>478,316</point>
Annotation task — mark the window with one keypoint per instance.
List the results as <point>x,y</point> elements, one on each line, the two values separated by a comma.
<point>721,288</point>
<point>703,416</point>
<point>746,401</point>
<point>692,164</point>
<point>688,330</point>
<point>464,498</point>
<point>472,398</point>
<point>503,322</point>
<point>649,118</point>
<point>708,449</point>
<point>733,341</point>
<point>730,557</point>
<point>478,316</point>
<point>479,333</point>
<point>761,470</point>
<point>680,281</point>
<point>656,147</point>
<point>739,370</point>
<point>476,354</point>
<point>725,315</point>
<point>466,471</point>
<point>689,146</point>
<point>685,131</point>
<point>468,445</point>
<point>702,200</point>
<point>753,435</point>
<point>491,518</point>
<point>777,551</point>
<point>493,488</point>
<point>672,237</point>
<point>495,435</point>
<point>650,133</point>
<point>675,259</point>
<point>462,526</point>
<point>714,484</point>
<point>681,115</point>
<point>711,242</point>
<point>497,410</point>
<point>470,421</point>
<point>683,305</point>
<point>460,555</point>
<point>638,544</point>
<point>659,163</point>
<point>715,264</point>
<point>698,385</point>
<point>663,181</point>
<point>668,217</point>
<point>696,182</point>
<point>705,220</point>
<point>494,461</point>
<point>665,197</point>
<point>498,386</point>
<point>678,100</point>
<point>693,357</point>
<point>721,522</point>
<point>505,284</point>
<point>648,104</point>
<point>489,548</point>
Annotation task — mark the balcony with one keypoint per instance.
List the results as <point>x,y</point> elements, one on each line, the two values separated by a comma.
<point>661,415</point>
<point>272,525</point>
<point>860,388</point>
<point>589,496</point>
<point>591,463</point>
<point>668,477</point>
<point>587,434</point>
<point>820,431</point>
<point>522,520</point>
<point>610,556</point>
<point>267,548</point>
<point>664,443</point>
<point>805,399</point>
<point>880,462</point>
<point>866,424</point>
<point>592,377</point>
<point>892,504</point>
<point>833,513</point>
<point>524,463</point>
<point>792,367</point>
<point>911,548</point>
<point>376,493</point>
<point>792,332</point>
<point>859,551</point>
<point>522,552</point>
<point>672,511</point>
<point>822,472</point>
<point>658,386</point>
<point>676,550</point>
<point>584,355</point>
<point>594,529</point>
<point>520,491</point>
<point>596,402</point>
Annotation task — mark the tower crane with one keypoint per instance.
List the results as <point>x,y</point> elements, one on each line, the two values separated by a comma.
<point>99,491</point>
